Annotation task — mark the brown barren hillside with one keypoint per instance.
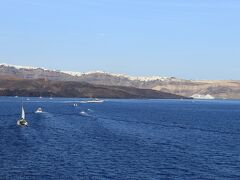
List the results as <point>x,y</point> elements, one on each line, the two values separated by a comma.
<point>41,87</point>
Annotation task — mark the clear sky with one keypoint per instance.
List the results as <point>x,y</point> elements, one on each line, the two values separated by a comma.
<point>194,39</point>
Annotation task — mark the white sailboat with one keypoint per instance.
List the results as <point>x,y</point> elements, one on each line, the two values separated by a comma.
<point>22,121</point>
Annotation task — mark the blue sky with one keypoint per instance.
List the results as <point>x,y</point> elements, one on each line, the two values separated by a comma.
<point>194,39</point>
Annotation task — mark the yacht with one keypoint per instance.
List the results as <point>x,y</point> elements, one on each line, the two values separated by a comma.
<point>39,110</point>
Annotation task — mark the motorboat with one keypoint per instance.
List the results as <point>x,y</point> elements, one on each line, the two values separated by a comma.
<point>39,110</point>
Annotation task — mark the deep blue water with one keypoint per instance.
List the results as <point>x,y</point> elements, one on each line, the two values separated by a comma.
<point>120,139</point>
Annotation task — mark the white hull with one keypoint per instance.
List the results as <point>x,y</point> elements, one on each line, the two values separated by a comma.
<point>39,110</point>
<point>99,101</point>
<point>22,122</point>
<point>203,97</point>
<point>94,101</point>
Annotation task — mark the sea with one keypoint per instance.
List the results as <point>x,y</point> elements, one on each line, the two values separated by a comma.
<point>120,139</point>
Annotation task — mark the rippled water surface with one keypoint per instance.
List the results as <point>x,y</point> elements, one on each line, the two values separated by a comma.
<point>120,139</point>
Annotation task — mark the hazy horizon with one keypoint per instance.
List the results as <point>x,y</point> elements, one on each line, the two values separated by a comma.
<point>185,39</point>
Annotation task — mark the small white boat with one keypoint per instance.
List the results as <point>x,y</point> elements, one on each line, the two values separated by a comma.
<point>83,113</point>
<point>83,102</point>
<point>39,110</point>
<point>95,101</point>
<point>75,105</point>
<point>22,121</point>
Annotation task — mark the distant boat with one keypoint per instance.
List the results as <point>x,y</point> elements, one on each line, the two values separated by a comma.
<point>83,102</point>
<point>95,101</point>
<point>83,113</point>
<point>22,121</point>
<point>200,96</point>
<point>39,110</point>
<point>75,105</point>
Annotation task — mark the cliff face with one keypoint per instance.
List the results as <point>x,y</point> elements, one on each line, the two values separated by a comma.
<point>40,87</point>
<point>217,89</point>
